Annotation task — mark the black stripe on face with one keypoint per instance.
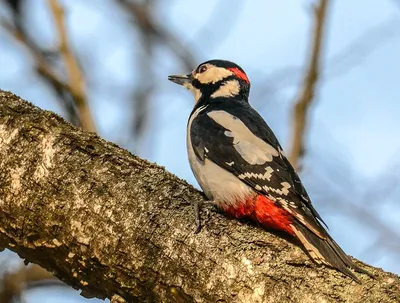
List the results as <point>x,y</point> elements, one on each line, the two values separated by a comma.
<point>208,89</point>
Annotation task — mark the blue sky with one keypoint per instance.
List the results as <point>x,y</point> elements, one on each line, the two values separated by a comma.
<point>353,142</point>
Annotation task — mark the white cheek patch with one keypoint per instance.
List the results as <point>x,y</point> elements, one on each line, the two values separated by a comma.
<point>213,75</point>
<point>195,91</point>
<point>228,89</point>
<point>251,148</point>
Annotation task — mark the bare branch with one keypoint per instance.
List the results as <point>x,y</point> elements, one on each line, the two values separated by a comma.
<point>145,22</point>
<point>208,31</point>
<point>76,82</point>
<point>26,277</point>
<point>308,87</point>
<point>151,34</point>
<point>42,67</point>
<point>144,88</point>
<point>41,64</point>
<point>45,69</point>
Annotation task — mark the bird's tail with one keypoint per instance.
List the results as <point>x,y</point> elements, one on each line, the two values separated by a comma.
<point>326,251</point>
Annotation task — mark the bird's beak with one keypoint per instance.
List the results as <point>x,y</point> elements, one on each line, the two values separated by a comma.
<point>181,79</point>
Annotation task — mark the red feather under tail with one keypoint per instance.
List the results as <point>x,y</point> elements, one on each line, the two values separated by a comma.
<point>263,211</point>
<point>321,249</point>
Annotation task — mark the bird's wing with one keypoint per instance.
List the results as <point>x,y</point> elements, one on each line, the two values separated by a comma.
<point>247,148</point>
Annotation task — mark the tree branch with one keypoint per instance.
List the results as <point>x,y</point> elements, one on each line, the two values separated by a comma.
<point>46,69</point>
<point>26,277</point>
<point>146,24</point>
<point>116,226</point>
<point>307,94</point>
<point>76,83</point>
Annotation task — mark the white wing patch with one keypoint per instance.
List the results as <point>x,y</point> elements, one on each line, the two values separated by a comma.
<point>266,176</point>
<point>217,183</point>
<point>252,149</point>
<point>228,89</point>
<point>283,191</point>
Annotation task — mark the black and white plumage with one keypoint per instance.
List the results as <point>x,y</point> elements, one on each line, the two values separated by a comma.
<point>240,164</point>
<point>251,153</point>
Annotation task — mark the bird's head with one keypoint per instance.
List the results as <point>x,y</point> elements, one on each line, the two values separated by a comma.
<point>215,79</point>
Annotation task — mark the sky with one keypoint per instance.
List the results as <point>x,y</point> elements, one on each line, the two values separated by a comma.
<point>353,145</point>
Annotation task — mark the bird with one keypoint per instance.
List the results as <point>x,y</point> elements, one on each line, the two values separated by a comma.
<point>241,167</point>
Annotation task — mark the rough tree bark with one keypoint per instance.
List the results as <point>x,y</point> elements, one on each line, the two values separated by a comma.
<point>109,223</point>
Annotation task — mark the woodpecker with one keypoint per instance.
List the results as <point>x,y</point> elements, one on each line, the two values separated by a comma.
<point>241,167</point>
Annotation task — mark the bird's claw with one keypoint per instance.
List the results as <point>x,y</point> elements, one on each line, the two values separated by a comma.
<point>197,217</point>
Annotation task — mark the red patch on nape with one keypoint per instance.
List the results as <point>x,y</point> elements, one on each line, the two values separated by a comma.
<point>240,74</point>
<point>263,211</point>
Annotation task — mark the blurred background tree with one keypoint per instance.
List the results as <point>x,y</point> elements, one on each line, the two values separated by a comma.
<point>103,65</point>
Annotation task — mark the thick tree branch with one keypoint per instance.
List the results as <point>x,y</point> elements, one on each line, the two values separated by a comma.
<point>116,226</point>
<point>307,91</point>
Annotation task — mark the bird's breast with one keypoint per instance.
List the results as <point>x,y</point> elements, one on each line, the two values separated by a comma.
<point>219,185</point>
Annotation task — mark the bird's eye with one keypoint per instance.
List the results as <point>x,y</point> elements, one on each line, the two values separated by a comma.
<point>202,69</point>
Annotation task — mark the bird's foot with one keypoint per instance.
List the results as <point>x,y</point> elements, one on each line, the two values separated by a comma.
<point>197,217</point>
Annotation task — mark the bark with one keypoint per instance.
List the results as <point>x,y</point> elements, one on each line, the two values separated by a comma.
<point>115,226</point>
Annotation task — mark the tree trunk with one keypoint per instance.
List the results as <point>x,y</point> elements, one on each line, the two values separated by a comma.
<point>108,223</point>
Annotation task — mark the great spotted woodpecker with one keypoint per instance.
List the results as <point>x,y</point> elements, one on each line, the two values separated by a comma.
<point>241,166</point>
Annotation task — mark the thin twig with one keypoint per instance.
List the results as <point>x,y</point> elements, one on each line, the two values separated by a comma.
<point>42,66</point>
<point>351,56</point>
<point>146,24</point>
<point>26,277</point>
<point>144,88</point>
<point>75,77</point>
<point>151,34</point>
<point>308,89</point>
